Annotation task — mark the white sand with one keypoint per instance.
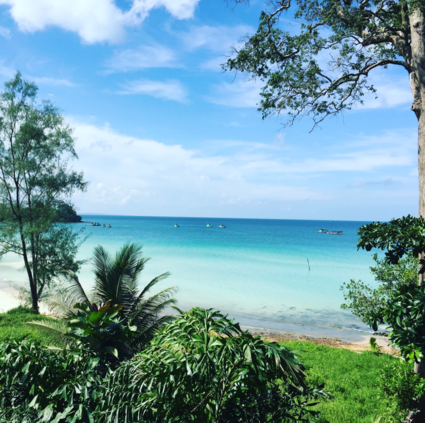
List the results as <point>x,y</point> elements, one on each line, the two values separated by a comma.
<point>8,297</point>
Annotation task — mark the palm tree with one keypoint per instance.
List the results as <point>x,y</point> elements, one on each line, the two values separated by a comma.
<point>117,280</point>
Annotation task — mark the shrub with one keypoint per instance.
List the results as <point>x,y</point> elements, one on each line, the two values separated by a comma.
<point>398,386</point>
<point>37,384</point>
<point>203,368</point>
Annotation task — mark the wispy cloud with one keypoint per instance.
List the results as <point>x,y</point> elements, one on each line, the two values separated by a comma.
<point>237,94</point>
<point>5,32</point>
<point>217,39</point>
<point>54,82</point>
<point>147,56</point>
<point>169,90</point>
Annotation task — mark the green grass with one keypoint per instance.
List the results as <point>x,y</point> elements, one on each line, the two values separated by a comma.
<point>13,325</point>
<point>349,376</point>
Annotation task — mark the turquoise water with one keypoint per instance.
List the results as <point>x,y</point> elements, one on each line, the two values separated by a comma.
<point>255,270</point>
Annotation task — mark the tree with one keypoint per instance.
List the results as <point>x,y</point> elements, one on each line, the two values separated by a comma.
<point>117,281</point>
<point>35,146</point>
<point>324,69</point>
<point>65,213</point>
<point>404,308</point>
<point>369,303</point>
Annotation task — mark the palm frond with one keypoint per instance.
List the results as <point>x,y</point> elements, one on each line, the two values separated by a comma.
<point>150,308</point>
<point>152,283</point>
<point>61,309</point>
<point>56,329</point>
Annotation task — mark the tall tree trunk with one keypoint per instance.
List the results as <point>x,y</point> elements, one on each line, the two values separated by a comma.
<point>417,84</point>
<point>33,286</point>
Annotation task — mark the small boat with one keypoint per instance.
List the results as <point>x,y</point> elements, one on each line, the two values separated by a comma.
<point>209,225</point>
<point>176,226</point>
<point>109,226</point>
<point>334,232</point>
<point>221,226</point>
<point>104,225</point>
<point>322,231</point>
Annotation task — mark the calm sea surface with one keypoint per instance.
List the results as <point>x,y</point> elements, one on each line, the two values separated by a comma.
<point>254,270</point>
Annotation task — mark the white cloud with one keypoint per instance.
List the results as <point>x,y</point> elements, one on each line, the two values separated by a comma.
<point>94,20</point>
<point>388,95</point>
<point>143,173</point>
<point>9,72</point>
<point>149,56</point>
<point>130,175</point>
<point>5,32</point>
<point>54,82</point>
<point>219,39</point>
<point>169,90</point>
<point>237,94</point>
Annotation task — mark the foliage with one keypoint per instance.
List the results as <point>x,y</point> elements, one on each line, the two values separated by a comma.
<point>203,367</point>
<point>373,346</point>
<point>320,67</point>
<point>404,313</point>
<point>65,213</point>
<point>353,378</point>
<point>397,386</point>
<point>39,385</point>
<point>398,238</point>
<point>117,280</point>
<point>404,309</point>
<point>367,302</point>
<point>35,148</point>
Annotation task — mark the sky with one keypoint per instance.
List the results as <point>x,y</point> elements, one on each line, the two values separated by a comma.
<point>162,130</point>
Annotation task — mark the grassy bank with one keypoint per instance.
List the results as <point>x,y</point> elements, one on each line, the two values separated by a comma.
<point>13,325</point>
<point>351,377</point>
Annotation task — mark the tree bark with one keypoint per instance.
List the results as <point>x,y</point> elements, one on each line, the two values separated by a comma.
<point>417,84</point>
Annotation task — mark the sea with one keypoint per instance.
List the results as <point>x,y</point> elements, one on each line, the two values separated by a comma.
<point>274,276</point>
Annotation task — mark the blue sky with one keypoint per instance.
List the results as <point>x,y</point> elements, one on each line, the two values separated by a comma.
<point>162,130</point>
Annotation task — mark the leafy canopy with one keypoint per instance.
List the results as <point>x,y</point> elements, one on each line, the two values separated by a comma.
<point>321,68</point>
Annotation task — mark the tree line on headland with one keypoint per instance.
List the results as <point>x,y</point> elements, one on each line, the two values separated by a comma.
<point>113,356</point>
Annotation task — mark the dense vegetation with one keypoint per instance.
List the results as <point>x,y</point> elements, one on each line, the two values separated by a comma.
<point>364,386</point>
<point>65,213</point>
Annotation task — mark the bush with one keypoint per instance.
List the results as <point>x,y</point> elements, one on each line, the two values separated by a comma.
<point>37,384</point>
<point>398,386</point>
<point>203,368</point>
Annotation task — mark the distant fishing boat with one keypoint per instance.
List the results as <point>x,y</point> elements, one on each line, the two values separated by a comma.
<point>322,231</point>
<point>221,226</point>
<point>176,226</point>
<point>209,225</point>
<point>334,232</point>
<point>109,226</point>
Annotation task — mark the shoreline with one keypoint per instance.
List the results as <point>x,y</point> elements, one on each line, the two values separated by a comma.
<point>268,329</point>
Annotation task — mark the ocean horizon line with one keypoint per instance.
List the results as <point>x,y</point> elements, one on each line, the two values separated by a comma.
<point>231,218</point>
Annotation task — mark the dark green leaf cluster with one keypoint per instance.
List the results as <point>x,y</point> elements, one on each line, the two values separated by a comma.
<point>39,385</point>
<point>404,313</point>
<point>398,238</point>
<point>100,331</point>
<point>203,368</point>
